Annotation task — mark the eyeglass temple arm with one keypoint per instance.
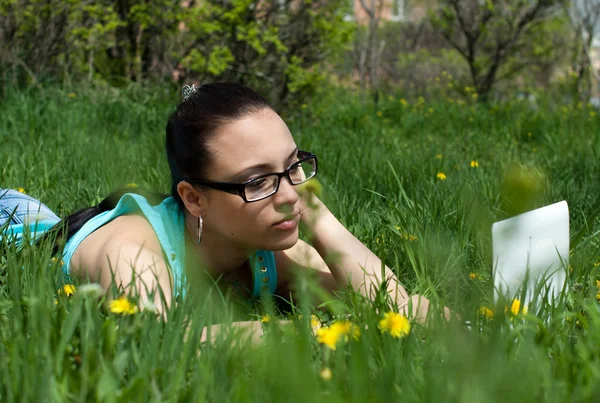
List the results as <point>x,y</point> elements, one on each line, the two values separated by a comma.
<point>234,188</point>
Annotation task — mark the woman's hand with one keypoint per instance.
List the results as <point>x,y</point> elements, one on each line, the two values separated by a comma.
<point>311,207</point>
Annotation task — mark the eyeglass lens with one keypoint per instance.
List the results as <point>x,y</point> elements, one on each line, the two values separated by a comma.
<point>267,185</point>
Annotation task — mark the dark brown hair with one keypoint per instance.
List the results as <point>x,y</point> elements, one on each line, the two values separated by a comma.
<point>196,120</point>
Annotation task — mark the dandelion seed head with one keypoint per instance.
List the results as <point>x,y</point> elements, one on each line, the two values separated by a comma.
<point>326,374</point>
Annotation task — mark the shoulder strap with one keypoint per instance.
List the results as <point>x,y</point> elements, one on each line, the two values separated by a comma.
<point>264,271</point>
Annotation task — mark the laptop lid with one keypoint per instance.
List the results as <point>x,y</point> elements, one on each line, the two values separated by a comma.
<point>537,240</point>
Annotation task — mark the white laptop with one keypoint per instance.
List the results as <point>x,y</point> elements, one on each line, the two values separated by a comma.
<point>537,241</point>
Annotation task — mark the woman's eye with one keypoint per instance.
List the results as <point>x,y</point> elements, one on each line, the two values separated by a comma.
<point>257,183</point>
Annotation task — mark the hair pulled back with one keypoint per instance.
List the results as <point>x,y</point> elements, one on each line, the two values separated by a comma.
<point>196,120</point>
<point>199,118</point>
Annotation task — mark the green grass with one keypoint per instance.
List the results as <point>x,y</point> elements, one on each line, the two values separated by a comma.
<point>379,172</point>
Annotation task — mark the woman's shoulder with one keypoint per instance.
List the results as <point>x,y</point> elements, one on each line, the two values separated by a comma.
<point>131,229</point>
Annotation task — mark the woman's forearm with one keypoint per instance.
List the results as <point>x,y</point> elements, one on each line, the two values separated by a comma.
<point>346,256</point>
<point>252,329</point>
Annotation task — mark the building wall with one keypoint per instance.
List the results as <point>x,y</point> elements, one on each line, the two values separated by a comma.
<point>595,56</point>
<point>391,10</point>
<point>595,53</point>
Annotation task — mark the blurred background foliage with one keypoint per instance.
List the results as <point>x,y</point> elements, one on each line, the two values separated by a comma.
<point>275,47</point>
<point>286,49</point>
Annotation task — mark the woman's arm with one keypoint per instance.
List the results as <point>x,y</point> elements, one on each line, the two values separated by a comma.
<point>135,267</point>
<point>345,255</point>
<point>250,330</point>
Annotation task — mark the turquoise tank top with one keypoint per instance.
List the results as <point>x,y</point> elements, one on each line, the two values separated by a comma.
<point>167,220</point>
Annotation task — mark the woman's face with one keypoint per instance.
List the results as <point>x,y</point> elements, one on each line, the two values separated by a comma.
<point>254,145</point>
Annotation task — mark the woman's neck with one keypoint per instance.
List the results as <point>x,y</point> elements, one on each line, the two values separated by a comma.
<point>218,256</point>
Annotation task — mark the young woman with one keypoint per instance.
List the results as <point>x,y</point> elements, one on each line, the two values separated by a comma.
<point>234,206</point>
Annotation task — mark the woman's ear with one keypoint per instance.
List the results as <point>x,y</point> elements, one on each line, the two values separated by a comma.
<point>193,199</point>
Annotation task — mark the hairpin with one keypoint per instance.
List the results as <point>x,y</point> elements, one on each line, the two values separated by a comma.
<point>188,90</point>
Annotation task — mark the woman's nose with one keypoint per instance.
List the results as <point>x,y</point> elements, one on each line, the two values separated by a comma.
<point>286,192</point>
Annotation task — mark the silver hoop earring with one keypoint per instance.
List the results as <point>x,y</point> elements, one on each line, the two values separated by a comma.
<point>199,228</point>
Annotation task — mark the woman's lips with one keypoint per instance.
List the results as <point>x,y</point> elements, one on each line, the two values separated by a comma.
<point>288,224</point>
<point>289,218</point>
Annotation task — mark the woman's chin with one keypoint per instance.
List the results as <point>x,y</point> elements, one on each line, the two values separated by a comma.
<point>283,243</point>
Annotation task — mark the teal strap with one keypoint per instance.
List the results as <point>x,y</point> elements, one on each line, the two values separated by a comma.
<point>264,272</point>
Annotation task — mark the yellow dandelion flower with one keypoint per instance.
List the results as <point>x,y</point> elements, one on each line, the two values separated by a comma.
<point>394,323</point>
<point>21,190</point>
<point>598,283</point>
<point>441,176</point>
<point>430,110</point>
<point>54,259</point>
<point>474,164</point>
<point>311,186</point>
<point>304,106</point>
<point>131,185</point>
<point>68,289</point>
<point>475,96</point>
<point>122,305</point>
<point>403,102</point>
<point>346,328</point>
<point>472,276</point>
<point>328,336</point>
<point>515,308</point>
<point>439,156</point>
<point>326,374</point>
<point>486,312</point>
<point>71,95</point>
<point>379,114</point>
<point>340,329</point>
<point>265,319</point>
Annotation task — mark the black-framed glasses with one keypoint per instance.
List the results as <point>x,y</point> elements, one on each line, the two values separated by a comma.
<point>267,185</point>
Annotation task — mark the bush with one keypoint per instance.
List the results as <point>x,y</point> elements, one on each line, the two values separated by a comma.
<point>277,48</point>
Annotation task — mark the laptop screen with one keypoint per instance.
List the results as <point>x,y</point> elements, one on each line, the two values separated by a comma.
<point>536,242</point>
